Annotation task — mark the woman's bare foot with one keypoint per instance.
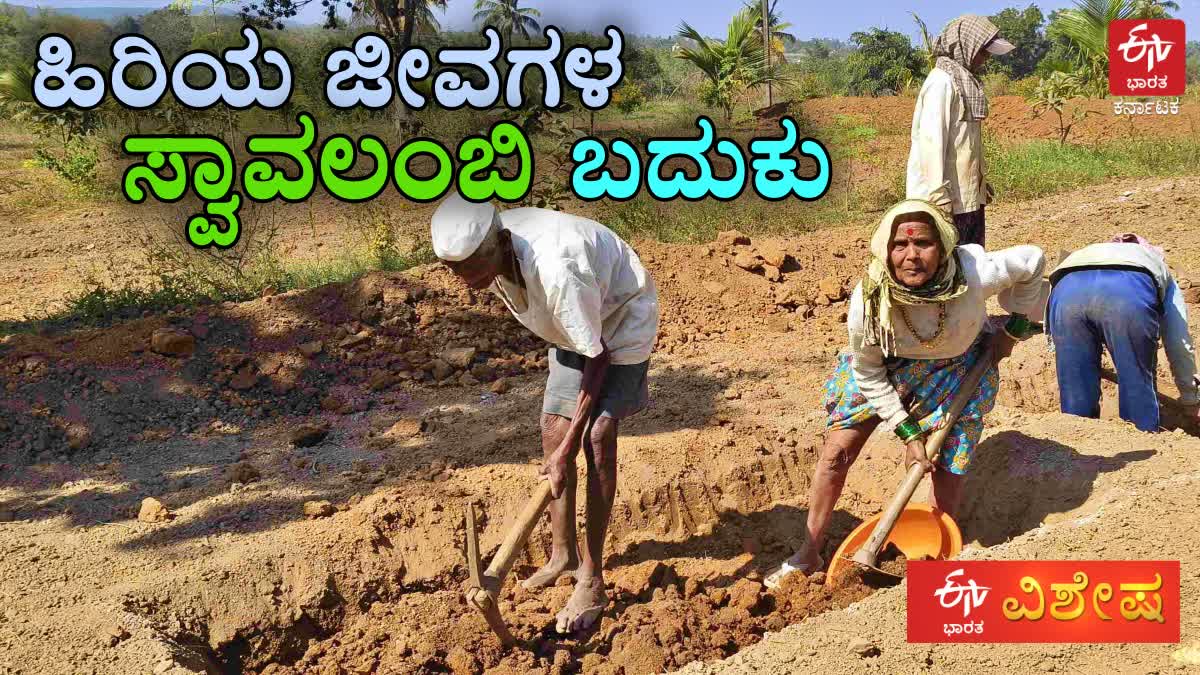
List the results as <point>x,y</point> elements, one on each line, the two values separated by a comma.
<point>807,561</point>
<point>550,573</point>
<point>587,603</point>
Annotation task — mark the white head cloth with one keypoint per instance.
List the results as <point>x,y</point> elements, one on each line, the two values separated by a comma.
<point>459,227</point>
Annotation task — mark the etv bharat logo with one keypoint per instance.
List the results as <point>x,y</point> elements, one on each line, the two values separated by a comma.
<point>1147,57</point>
<point>970,595</point>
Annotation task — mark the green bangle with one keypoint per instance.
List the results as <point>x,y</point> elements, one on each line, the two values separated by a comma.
<point>908,430</point>
<point>1019,328</point>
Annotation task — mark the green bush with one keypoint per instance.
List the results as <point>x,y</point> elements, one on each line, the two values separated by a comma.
<point>629,98</point>
<point>997,84</point>
<point>76,163</point>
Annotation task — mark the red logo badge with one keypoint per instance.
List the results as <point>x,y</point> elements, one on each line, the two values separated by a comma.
<point>1147,57</point>
<point>1043,601</point>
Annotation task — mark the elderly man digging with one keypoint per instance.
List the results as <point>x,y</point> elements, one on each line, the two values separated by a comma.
<point>581,288</point>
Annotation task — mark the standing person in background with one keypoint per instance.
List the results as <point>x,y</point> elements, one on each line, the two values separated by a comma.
<point>945,163</point>
<point>1119,295</point>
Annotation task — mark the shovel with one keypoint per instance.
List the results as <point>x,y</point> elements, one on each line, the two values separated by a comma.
<point>919,530</point>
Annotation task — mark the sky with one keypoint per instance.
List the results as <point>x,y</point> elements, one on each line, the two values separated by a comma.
<point>809,18</point>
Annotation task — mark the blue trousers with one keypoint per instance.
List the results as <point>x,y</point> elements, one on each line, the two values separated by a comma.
<point>1117,309</point>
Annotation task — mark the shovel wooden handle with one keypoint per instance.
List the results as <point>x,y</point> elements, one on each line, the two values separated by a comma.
<point>933,446</point>
<point>514,542</point>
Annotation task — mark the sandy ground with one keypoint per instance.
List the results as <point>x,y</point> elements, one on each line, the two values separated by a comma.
<point>427,396</point>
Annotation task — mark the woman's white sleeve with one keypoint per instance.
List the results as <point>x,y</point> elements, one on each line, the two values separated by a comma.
<point>1016,275</point>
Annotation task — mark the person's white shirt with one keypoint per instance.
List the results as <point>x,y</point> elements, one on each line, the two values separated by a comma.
<point>1014,274</point>
<point>583,283</point>
<point>945,162</point>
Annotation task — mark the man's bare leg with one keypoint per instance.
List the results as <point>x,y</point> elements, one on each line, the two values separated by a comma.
<point>564,551</point>
<point>588,600</point>
<point>947,491</point>
<point>829,477</point>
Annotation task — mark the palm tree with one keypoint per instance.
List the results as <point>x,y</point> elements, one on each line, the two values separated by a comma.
<point>424,20</point>
<point>732,65</point>
<point>1086,26</point>
<point>1155,9</point>
<point>506,17</point>
<point>775,23</point>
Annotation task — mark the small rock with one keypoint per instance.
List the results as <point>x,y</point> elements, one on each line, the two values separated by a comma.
<point>153,511</point>
<point>358,339</point>
<point>500,386</point>
<point>458,357</point>
<point>318,509</point>
<point>830,289</point>
<point>441,370</point>
<point>732,238</point>
<point>462,662</point>
<point>404,428</point>
<point>467,380</point>
<point>863,648</point>
<point>396,296</point>
<point>308,435</point>
<point>172,342</point>
<point>244,472</point>
<point>715,288</point>
<point>380,380</point>
<point>772,273</point>
<point>1192,295</point>
<point>772,254</point>
<point>638,580</point>
<point>245,378</point>
<point>747,261</point>
<point>109,386</point>
<point>78,436</point>
<point>747,595</point>
<point>311,349</point>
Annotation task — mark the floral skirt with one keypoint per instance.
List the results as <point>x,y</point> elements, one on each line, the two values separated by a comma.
<point>926,386</point>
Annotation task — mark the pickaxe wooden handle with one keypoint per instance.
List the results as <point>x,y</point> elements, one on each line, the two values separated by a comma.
<point>483,588</point>
<point>869,554</point>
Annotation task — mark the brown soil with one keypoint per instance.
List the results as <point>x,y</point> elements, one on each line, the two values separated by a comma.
<point>1010,118</point>
<point>248,572</point>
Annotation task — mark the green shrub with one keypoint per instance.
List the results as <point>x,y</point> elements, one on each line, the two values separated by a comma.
<point>997,84</point>
<point>629,98</point>
<point>76,163</point>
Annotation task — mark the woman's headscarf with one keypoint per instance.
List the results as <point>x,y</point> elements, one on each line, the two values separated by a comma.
<point>1131,238</point>
<point>880,289</point>
<point>955,49</point>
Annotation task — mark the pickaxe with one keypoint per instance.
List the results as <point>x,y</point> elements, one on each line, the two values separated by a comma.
<point>483,588</point>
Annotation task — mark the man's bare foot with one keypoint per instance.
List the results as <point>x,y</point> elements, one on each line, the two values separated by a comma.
<point>550,573</point>
<point>586,605</point>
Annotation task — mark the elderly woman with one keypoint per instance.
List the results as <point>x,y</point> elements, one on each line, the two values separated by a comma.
<point>917,326</point>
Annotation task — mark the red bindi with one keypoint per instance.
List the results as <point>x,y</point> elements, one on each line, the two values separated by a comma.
<point>908,231</point>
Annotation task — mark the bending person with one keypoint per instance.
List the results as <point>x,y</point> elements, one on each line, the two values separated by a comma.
<point>917,326</point>
<point>581,288</point>
<point>1119,295</point>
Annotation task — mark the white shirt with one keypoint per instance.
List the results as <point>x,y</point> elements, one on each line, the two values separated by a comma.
<point>945,162</point>
<point>1015,274</point>
<point>582,283</point>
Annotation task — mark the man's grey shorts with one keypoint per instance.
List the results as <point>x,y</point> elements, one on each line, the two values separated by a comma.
<point>623,393</point>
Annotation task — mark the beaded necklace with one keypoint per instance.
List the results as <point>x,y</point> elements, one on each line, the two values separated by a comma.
<point>936,338</point>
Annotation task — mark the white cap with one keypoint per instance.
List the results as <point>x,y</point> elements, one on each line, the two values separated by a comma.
<point>999,46</point>
<point>459,227</point>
